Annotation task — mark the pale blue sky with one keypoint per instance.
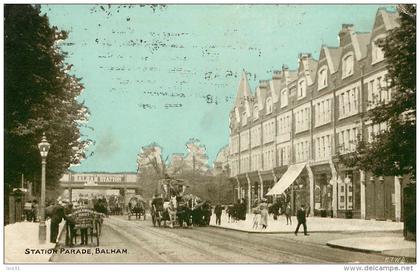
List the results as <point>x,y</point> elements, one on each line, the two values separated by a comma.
<point>149,73</point>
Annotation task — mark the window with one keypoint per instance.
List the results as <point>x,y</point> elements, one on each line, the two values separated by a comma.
<point>244,140</point>
<point>283,98</point>
<point>244,118</point>
<point>322,78</point>
<point>269,105</point>
<point>347,65</point>
<point>377,52</point>
<point>377,89</point>
<point>348,101</point>
<point>255,112</point>
<point>302,116</point>
<point>322,110</point>
<point>301,89</point>
<point>347,139</point>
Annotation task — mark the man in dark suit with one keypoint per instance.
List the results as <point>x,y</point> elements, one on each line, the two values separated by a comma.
<point>301,217</point>
<point>218,211</point>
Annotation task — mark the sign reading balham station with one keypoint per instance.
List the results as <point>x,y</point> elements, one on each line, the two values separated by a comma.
<point>99,181</point>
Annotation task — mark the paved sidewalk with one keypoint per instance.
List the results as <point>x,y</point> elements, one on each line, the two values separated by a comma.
<point>22,237</point>
<point>393,246</point>
<point>315,224</point>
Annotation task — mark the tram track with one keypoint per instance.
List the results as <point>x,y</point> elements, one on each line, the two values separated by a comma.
<point>207,243</point>
<point>143,242</point>
<point>202,253</point>
<point>266,253</point>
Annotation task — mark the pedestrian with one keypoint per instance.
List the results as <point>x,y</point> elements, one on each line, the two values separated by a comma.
<point>35,210</point>
<point>57,216</point>
<point>68,210</point>
<point>218,212</point>
<point>257,217</point>
<point>301,217</point>
<point>264,213</point>
<point>288,213</point>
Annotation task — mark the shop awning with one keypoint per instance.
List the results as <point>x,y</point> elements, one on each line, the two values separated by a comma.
<point>287,179</point>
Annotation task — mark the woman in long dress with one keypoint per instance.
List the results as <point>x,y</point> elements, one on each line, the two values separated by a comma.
<point>264,213</point>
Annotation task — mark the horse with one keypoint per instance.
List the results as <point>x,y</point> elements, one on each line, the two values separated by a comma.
<point>170,211</point>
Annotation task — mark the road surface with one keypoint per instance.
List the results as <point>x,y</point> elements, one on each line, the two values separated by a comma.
<point>137,241</point>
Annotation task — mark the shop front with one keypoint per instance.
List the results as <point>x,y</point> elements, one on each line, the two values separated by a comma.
<point>348,193</point>
<point>323,191</point>
<point>295,184</point>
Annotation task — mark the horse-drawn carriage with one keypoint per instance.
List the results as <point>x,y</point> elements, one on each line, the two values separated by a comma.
<point>115,205</point>
<point>177,207</point>
<point>137,207</point>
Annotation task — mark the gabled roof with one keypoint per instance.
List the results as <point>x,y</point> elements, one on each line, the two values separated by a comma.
<point>390,18</point>
<point>308,66</point>
<point>332,55</point>
<point>313,64</point>
<point>243,92</point>
<point>335,53</point>
<point>275,89</point>
<point>363,41</point>
<point>293,74</point>
<point>261,94</point>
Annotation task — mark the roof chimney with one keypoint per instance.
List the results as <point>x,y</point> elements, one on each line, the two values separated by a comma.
<point>345,28</point>
<point>285,70</point>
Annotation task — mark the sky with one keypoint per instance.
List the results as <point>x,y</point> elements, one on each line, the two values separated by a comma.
<point>166,74</point>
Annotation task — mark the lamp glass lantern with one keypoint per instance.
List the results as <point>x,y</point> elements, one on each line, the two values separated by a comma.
<point>44,147</point>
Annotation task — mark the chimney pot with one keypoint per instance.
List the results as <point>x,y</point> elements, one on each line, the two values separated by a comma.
<point>345,28</point>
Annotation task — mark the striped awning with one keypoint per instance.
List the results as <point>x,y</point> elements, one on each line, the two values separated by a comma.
<point>287,179</point>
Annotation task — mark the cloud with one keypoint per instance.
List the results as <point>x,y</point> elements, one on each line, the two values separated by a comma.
<point>107,145</point>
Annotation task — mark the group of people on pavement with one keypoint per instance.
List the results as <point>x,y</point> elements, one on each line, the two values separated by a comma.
<point>261,214</point>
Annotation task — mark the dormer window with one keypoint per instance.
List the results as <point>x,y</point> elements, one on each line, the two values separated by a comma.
<point>301,89</point>
<point>377,52</point>
<point>244,118</point>
<point>347,65</point>
<point>283,98</point>
<point>322,77</point>
<point>269,105</point>
<point>256,112</point>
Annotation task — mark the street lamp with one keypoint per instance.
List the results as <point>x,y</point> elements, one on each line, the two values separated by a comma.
<point>43,147</point>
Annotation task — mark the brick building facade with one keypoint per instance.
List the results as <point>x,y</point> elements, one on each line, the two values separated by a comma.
<point>305,118</point>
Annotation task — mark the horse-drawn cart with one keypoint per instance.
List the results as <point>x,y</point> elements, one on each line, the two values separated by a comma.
<point>86,222</point>
<point>137,207</point>
<point>176,206</point>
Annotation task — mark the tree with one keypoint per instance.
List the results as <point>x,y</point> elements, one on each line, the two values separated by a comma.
<point>196,159</point>
<point>40,96</point>
<point>149,160</point>
<point>393,151</point>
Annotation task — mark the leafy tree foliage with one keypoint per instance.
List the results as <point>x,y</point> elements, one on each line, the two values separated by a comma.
<point>393,151</point>
<point>193,167</point>
<point>40,96</point>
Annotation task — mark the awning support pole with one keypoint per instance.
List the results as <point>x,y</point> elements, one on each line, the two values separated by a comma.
<point>249,192</point>
<point>239,188</point>
<point>261,186</point>
<point>311,190</point>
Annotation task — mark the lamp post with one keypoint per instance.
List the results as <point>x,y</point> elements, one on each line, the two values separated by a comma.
<point>43,147</point>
